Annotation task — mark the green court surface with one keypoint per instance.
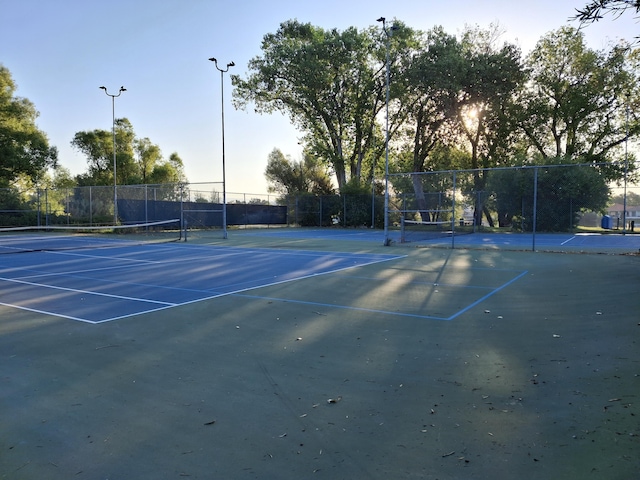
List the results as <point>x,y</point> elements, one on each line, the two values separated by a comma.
<point>439,364</point>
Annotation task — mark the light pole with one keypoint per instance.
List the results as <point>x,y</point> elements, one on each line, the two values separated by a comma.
<point>626,168</point>
<point>113,128</point>
<point>224,180</point>
<point>387,240</point>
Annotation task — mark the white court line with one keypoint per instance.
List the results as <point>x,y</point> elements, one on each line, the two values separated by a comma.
<point>88,292</point>
<point>131,262</point>
<point>567,241</point>
<point>84,320</point>
<point>86,255</point>
<point>39,274</point>
<point>44,312</point>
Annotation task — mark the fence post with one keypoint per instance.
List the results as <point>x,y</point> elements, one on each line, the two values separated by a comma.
<point>344,210</point>
<point>246,211</point>
<point>373,204</point>
<point>38,204</point>
<point>146,204</point>
<point>46,207</point>
<point>535,206</point>
<point>183,224</point>
<point>571,215</point>
<point>453,213</point>
<point>67,205</point>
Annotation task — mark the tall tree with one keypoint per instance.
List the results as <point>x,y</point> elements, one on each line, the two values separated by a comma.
<point>288,177</point>
<point>491,74</point>
<point>97,146</point>
<point>431,77</point>
<point>147,154</point>
<point>330,83</point>
<point>137,160</point>
<point>24,149</point>
<point>576,101</point>
<point>170,170</point>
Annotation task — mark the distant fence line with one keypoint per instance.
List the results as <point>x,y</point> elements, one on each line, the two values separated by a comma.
<point>197,205</point>
<point>527,199</point>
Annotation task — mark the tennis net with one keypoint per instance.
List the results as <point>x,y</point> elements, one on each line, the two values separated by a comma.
<point>56,237</point>
<point>417,231</point>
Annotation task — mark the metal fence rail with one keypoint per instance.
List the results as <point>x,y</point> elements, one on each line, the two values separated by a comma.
<point>529,200</point>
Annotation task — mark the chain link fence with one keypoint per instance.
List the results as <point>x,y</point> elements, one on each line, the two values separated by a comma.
<point>532,199</point>
<point>309,210</point>
<point>422,206</point>
<point>197,205</point>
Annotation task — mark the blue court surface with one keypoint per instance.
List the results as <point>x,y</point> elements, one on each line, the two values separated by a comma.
<point>97,285</point>
<point>103,284</point>
<point>567,241</point>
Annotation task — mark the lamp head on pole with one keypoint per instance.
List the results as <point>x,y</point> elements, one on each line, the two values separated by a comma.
<point>122,89</point>
<point>381,19</point>
<point>215,60</point>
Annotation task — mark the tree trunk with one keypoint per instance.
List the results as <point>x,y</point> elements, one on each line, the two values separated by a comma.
<point>421,201</point>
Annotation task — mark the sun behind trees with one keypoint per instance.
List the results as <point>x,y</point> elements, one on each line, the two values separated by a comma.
<point>471,101</point>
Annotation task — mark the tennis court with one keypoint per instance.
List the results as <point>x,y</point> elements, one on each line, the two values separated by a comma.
<point>558,242</point>
<point>274,356</point>
<point>97,284</point>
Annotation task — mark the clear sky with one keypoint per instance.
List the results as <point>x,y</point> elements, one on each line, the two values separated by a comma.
<point>60,52</point>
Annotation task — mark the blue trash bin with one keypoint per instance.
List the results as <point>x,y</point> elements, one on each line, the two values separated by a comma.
<point>607,222</point>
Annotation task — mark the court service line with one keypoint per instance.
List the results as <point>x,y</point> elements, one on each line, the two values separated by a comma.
<point>398,314</point>
<point>477,302</point>
<point>130,262</point>
<point>103,257</point>
<point>88,292</point>
<point>72,273</point>
<point>567,241</point>
<point>416,282</point>
<point>218,289</point>
<point>45,312</point>
<point>342,307</point>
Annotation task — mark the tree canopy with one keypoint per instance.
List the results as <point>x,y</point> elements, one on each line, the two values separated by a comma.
<point>288,177</point>
<point>24,148</point>
<point>138,160</point>
<point>575,101</point>
<point>470,101</point>
<point>330,83</point>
